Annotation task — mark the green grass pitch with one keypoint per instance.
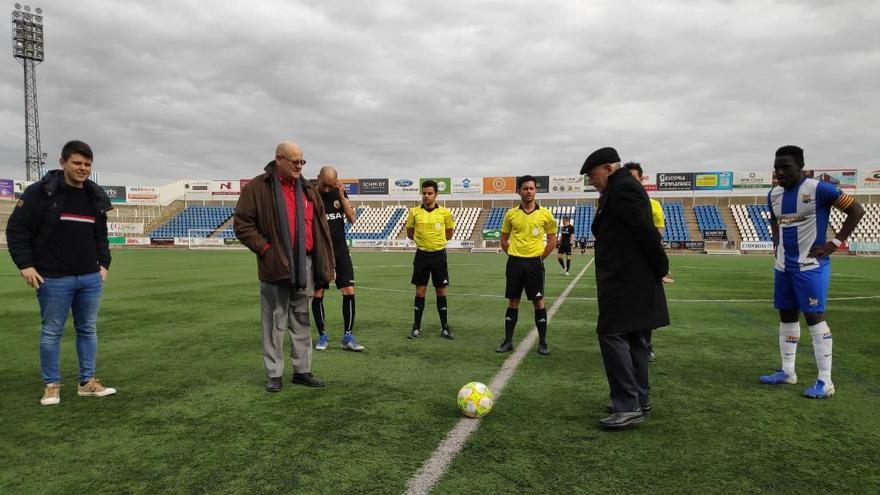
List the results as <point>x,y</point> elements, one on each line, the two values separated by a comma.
<point>179,338</point>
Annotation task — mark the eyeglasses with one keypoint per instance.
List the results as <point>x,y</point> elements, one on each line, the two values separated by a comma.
<point>301,163</point>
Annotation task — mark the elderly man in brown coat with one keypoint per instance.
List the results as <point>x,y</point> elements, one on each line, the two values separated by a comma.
<point>281,219</point>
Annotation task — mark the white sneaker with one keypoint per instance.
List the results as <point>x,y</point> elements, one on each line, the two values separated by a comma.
<point>51,394</point>
<point>93,388</point>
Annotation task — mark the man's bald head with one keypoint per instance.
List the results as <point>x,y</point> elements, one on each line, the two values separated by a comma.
<point>286,147</point>
<point>327,171</point>
<point>327,177</point>
<point>289,159</point>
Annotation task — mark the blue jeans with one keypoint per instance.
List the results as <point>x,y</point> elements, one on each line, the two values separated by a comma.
<point>57,297</point>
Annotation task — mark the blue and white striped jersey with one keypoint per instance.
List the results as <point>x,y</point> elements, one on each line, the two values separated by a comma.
<point>802,215</point>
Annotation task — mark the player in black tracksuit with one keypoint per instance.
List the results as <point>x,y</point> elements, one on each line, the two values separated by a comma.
<point>566,232</point>
<point>337,209</point>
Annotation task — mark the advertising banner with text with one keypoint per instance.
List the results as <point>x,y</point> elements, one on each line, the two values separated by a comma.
<point>115,193</point>
<point>373,186</point>
<point>352,186</point>
<point>870,179</point>
<point>229,188</point>
<point>141,195</point>
<point>675,181</point>
<point>125,228</point>
<point>752,180</point>
<point>499,185</point>
<point>197,189</point>
<point>405,186</point>
<point>7,189</point>
<point>566,184</point>
<point>844,178</point>
<point>467,185</point>
<point>713,181</point>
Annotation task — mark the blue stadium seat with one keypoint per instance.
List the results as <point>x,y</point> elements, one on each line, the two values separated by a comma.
<point>709,218</point>
<point>206,219</point>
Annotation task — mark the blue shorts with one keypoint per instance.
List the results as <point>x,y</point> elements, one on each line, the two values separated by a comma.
<point>805,291</point>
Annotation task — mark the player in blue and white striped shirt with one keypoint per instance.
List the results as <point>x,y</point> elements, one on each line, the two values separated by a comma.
<point>799,211</point>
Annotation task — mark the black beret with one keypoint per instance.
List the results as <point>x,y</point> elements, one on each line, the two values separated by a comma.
<point>600,157</point>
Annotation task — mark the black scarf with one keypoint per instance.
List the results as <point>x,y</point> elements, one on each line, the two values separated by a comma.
<point>296,255</point>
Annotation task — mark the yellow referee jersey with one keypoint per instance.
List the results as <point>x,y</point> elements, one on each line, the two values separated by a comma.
<point>430,227</point>
<point>526,230</point>
<point>657,213</point>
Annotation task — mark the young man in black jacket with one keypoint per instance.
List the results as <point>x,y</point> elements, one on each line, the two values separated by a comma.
<point>57,236</point>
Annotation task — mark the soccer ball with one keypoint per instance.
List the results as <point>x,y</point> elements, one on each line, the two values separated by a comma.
<point>475,400</point>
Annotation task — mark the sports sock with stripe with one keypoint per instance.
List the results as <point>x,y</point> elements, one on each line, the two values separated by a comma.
<point>418,309</point>
<point>318,313</point>
<point>822,342</point>
<point>510,318</point>
<point>348,312</point>
<point>789,334</point>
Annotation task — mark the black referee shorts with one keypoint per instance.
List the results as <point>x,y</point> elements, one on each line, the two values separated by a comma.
<point>430,264</point>
<point>524,273</point>
<point>564,249</point>
<point>344,271</point>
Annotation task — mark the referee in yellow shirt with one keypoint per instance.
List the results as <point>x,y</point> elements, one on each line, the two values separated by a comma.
<point>430,226</point>
<point>660,223</point>
<point>522,238</point>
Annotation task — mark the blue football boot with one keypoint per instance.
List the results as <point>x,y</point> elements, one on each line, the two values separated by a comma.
<point>820,390</point>
<point>322,342</point>
<point>779,378</point>
<point>350,344</point>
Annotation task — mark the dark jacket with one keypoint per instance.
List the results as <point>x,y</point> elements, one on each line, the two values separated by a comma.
<point>256,225</point>
<point>37,213</point>
<point>630,260</point>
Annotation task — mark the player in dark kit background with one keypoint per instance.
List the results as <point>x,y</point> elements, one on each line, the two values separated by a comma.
<point>338,210</point>
<point>566,233</point>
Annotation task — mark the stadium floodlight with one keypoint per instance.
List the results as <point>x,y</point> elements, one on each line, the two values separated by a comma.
<point>28,48</point>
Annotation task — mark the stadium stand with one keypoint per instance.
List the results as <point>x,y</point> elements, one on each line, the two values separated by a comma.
<point>868,230</point>
<point>708,218</point>
<point>204,219</point>
<point>753,222</point>
<point>583,221</point>
<point>496,216</point>
<point>465,221</point>
<point>676,226</point>
<point>377,223</point>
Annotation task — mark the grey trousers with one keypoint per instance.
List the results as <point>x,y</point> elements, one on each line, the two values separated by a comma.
<point>285,310</point>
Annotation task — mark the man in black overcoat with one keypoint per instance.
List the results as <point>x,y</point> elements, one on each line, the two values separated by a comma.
<point>630,263</point>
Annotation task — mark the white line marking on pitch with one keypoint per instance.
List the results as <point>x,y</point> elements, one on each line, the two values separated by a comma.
<point>433,469</point>
<point>578,299</point>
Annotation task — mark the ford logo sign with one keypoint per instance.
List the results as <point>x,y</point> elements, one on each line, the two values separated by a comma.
<point>403,183</point>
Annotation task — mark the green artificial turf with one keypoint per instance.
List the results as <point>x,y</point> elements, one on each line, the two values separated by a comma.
<point>179,338</point>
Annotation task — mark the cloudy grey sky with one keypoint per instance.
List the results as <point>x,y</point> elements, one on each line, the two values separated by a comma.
<point>166,90</point>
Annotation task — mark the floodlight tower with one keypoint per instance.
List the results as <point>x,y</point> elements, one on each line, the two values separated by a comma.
<point>27,47</point>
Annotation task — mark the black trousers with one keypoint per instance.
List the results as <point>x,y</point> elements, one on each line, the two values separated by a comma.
<point>626,364</point>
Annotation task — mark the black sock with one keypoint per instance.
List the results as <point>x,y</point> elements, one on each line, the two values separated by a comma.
<point>510,323</point>
<point>318,313</point>
<point>568,265</point>
<point>561,263</point>
<point>541,323</point>
<point>418,309</point>
<point>441,310</point>
<point>348,313</point>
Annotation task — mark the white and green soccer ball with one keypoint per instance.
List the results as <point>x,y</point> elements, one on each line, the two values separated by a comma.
<point>475,400</point>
